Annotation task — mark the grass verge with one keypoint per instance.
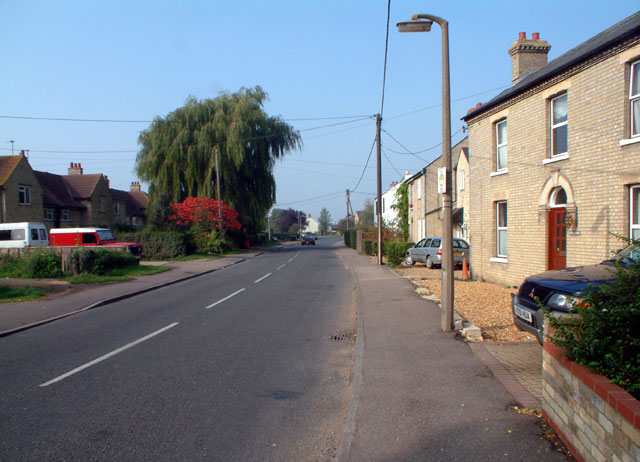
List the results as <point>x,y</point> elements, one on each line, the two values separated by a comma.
<point>21,294</point>
<point>120,274</point>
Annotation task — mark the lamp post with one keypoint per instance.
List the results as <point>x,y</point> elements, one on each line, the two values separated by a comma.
<point>422,23</point>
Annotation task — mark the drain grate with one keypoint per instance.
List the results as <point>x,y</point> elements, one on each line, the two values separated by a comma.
<point>341,336</point>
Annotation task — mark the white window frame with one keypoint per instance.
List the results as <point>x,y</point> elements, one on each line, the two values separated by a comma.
<point>500,145</point>
<point>461,181</point>
<point>558,125</point>
<point>24,195</point>
<point>103,204</point>
<point>632,203</point>
<point>632,99</point>
<point>116,207</point>
<point>48,214</point>
<point>500,228</point>
<point>419,193</point>
<point>65,215</point>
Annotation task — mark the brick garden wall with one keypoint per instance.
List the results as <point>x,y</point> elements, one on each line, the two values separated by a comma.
<point>597,420</point>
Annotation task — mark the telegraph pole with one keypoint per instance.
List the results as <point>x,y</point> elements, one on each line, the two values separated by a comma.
<point>379,204</point>
<point>348,205</point>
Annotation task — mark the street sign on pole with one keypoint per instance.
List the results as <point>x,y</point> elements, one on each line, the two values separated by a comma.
<point>442,180</point>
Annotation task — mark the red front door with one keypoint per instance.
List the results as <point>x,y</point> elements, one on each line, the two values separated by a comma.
<point>557,239</point>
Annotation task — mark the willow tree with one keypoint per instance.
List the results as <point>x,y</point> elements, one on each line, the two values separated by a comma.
<point>178,153</point>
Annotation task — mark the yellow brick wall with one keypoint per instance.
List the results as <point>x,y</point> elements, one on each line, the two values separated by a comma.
<point>596,175</point>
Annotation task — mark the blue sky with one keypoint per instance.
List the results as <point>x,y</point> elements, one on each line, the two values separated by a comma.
<point>318,60</point>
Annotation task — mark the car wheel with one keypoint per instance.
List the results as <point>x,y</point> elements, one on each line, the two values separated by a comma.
<point>429,262</point>
<point>408,260</point>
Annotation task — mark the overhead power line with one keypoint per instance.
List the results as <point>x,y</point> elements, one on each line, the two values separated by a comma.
<point>365,165</point>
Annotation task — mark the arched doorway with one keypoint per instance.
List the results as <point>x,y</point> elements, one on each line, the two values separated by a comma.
<point>557,236</point>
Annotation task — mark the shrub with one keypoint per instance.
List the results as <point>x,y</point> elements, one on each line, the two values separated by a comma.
<point>350,238</point>
<point>157,245</point>
<point>604,333</point>
<point>394,251</point>
<point>43,265</point>
<point>100,261</point>
<point>368,247</point>
<point>38,264</point>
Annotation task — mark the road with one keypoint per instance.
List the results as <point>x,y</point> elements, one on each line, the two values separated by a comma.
<point>253,362</point>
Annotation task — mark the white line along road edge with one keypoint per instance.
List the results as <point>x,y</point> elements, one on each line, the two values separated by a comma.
<point>224,299</point>
<point>108,355</point>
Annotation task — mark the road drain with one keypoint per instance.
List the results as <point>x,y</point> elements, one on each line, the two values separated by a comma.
<point>342,336</point>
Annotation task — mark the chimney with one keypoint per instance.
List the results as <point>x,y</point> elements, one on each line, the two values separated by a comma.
<point>527,55</point>
<point>135,186</point>
<point>75,169</point>
<point>106,178</point>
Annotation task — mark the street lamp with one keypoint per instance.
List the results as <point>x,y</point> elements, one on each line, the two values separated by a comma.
<point>422,23</point>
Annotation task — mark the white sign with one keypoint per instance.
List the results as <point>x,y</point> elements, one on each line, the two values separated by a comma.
<point>442,180</point>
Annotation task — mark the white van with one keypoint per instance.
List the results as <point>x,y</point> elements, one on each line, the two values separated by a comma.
<point>20,235</point>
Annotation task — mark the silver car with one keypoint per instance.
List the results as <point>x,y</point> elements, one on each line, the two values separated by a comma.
<point>429,252</point>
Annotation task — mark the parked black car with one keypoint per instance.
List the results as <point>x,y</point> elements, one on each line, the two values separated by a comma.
<point>307,239</point>
<point>558,290</point>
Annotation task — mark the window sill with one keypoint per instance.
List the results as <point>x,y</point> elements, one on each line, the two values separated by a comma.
<point>498,260</point>
<point>630,141</point>
<point>499,172</point>
<point>555,159</point>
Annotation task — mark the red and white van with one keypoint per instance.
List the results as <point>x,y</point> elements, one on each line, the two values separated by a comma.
<point>90,237</point>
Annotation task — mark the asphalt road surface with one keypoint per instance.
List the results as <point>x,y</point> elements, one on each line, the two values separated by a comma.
<point>253,362</point>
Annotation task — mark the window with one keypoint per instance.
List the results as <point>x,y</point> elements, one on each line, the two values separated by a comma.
<point>24,195</point>
<point>419,182</point>
<point>461,181</point>
<point>559,126</point>
<point>43,234</point>
<point>103,204</point>
<point>634,219</point>
<point>501,229</point>
<point>634,99</point>
<point>66,215</point>
<point>435,243</point>
<point>501,145</point>
<point>48,214</point>
<point>116,207</point>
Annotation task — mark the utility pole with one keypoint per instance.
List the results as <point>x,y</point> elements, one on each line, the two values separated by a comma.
<point>218,186</point>
<point>379,201</point>
<point>348,206</point>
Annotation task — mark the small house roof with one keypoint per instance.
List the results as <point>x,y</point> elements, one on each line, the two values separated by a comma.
<point>7,166</point>
<point>55,191</point>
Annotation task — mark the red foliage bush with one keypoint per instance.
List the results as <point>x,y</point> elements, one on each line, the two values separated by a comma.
<point>203,211</point>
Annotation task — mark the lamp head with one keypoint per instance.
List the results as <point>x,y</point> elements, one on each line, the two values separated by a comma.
<point>415,25</point>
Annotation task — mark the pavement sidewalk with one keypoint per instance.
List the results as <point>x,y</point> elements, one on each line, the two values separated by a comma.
<point>420,393</point>
<point>70,299</point>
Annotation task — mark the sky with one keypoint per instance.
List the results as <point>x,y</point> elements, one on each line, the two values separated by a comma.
<point>116,65</point>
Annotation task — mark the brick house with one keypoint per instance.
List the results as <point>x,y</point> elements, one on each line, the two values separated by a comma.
<point>556,164</point>
<point>69,200</point>
<point>425,206</point>
<point>20,191</point>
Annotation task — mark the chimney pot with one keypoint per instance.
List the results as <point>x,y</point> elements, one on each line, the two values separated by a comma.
<point>522,36</point>
<point>535,36</point>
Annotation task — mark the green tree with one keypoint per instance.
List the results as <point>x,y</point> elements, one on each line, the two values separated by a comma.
<point>367,215</point>
<point>402,207</point>
<point>324,221</point>
<point>178,153</point>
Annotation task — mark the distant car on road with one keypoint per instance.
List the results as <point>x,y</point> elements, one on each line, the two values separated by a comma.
<point>558,290</point>
<point>315,236</point>
<point>429,252</point>
<point>307,239</point>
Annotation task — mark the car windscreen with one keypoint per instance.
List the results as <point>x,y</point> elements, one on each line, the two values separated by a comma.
<point>106,235</point>
<point>460,244</point>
